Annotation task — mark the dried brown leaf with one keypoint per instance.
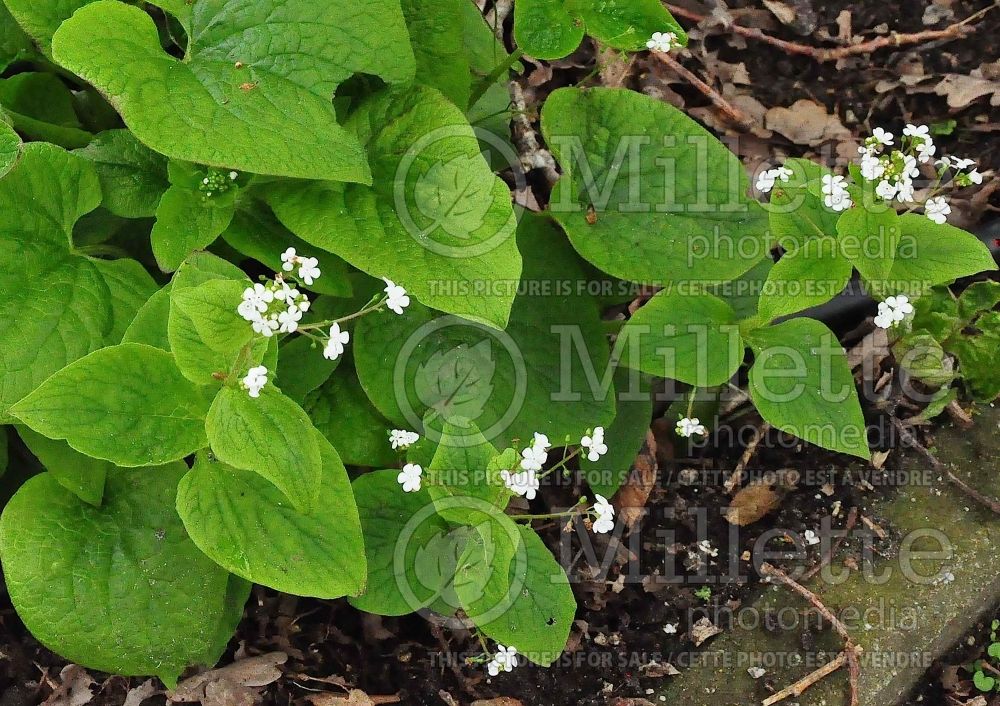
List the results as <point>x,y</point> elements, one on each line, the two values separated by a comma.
<point>703,630</point>
<point>630,500</point>
<point>138,694</point>
<point>250,672</point>
<point>73,688</point>
<point>806,122</point>
<point>751,503</point>
<point>355,697</point>
<point>499,701</point>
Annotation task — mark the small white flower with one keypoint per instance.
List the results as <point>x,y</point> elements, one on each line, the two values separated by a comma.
<point>883,319</point>
<point>605,515</point>
<point>205,180</point>
<point>533,458</point>
<point>409,477</point>
<point>920,131</point>
<point>541,441</point>
<point>937,209</point>
<point>283,292</point>
<point>811,537</point>
<point>288,320</point>
<point>255,380</point>
<point>783,173</point>
<point>904,194</point>
<point>289,259</point>
<point>765,181</point>
<point>670,628</point>
<point>233,175</point>
<point>705,547</point>
<point>975,177</point>
<point>662,41</point>
<point>524,483</point>
<point>594,443</point>
<point>335,346</point>
<point>397,298</point>
<point>401,439</point>
<point>689,427</point>
<point>309,269</point>
<point>882,136</point>
<point>266,326</point>
<point>900,304</point>
<point>872,167</point>
<point>503,661</point>
<point>835,193</point>
<point>886,189</point>
<point>258,296</point>
<point>958,162</point>
<point>756,672</point>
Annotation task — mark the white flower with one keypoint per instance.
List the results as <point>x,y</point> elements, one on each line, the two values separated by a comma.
<point>288,260</point>
<point>883,319</point>
<point>397,299</point>
<point>872,167</point>
<point>523,483</point>
<point>881,136</point>
<point>705,547</point>
<point>905,192</point>
<point>605,515</point>
<point>756,672</point>
<point>926,150</point>
<point>782,173</point>
<point>919,131</point>
<point>662,41</point>
<point>283,292</point>
<point>937,209</point>
<point>886,189</point>
<point>233,175</point>
<point>309,269</point>
<point>409,477</point>
<point>594,444</point>
<point>670,628</point>
<point>541,442</point>
<point>765,181</point>
<point>289,319</point>
<point>255,380</point>
<point>958,162</point>
<point>900,304</point>
<point>266,326</point>
<point>910,168</point>
<point>975,177</point>
<point>335,346</point>
<point>401,439</point>
<point>835,193</point>
<point>256,297</point>
<point>533,458</point>
<point>811,537</point>
<point>503,661</point>
<point>689,427</point>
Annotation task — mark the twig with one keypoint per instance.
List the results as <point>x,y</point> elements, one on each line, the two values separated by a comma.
<point>734,479</point>
<point>852,518</point>
<point>821,54</point>
<point>851,650</point>
<point>909,439</point>
<point>733,114</point>
<point>799,687</point>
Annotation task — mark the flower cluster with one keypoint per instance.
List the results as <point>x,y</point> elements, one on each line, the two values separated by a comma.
<point>503,661</point>
<point>273,307</point>
<point>216,182</point>
<point>594,443</point>
<point>766,180</point>
<point>409,477</point>
<point>663,41</point>
<point>526,482</point>
<point>689,426</point>
<point>893,310</point>
<point>605,520</point>
<point>255,380</point>
<point>523,483</point>
<point>402,439</point>
<point>308,266</point>
<point>835,195</point>
<point>535,456</point>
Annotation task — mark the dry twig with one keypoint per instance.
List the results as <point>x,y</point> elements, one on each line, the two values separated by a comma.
<point>734,478</point>
<point>799,687</point>
<point>733,114</point>
<point>852,518</point>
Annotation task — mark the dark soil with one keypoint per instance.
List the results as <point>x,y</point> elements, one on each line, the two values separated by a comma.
<point>619,626</point>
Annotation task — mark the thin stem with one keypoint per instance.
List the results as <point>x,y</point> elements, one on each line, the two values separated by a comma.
<point>562,464</point>
<point>98,250</point>
<point>549,515</point>
<point>498,71</point>
<point>342,319</point>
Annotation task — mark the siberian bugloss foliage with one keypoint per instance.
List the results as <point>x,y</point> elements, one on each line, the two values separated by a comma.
<point>249,245</point>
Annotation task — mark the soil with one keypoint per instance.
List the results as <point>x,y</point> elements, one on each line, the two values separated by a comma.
<point>620,625</point>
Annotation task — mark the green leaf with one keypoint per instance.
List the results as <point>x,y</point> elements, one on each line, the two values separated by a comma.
<point>795,213</point>
<point>81,475</point>
<point>630,158</point>
<point>436,221</point>
<point>552,29</point>
<point>801,384</point>
<point>256,233</point>
<point>244,524</point>
<point>922,356</point>
<point>513,383</point>
<point>542,606</point>
<point>74,305</point>
<point>40,106</point>
<point>436,33</point>
<point>694,339</point>
<point>302,367</point>
<point>412,552</point>
<point>977,358</point>
<point>743,293</point>
<point>494,559</point>
<point>133,177</point>
<point>41,19</point>
<point>150,323</point>
<point>869,238</point>
<point>937,313</point>
<point>14,43</point>
<point>931,253</point>
<point>120,588</point>
<point>210,308</point>
<point>977,298</point>
<point>625,436</point>
<point>253,92</point>
<point>462,471</point>
<point>342,412</point>
<point>128,404</point>
<point>269,435</point>
<point>803,278</point>
<point>10,144</point>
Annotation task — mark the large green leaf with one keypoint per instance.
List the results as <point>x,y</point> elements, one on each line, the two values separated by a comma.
<point>41,107</point>
<point>694,339</point>
<point>14,43</point>
<point>120,588</point>
<point>548,372</point>
<point>436,220</point>
<point>55,306</point>
<point>647,194</point>
<point>931,253</point>
<point>795,213</point>
<point>270,435</point>
<point>462,468</point>
<point>551,29</point>
<point>82,475</point>
<point>150,323</point>
<point>41,19</point>
<point>436,29</point>
<point>411,550</point>
<point>128,404</point>
<point>10,144</point>
<point>801,383</point>
<point>254,90</point>
<point>809,276</point>
<point>869,238</point>
<point>977,355</point>
<point>133,177</point>
<point>246,525</point>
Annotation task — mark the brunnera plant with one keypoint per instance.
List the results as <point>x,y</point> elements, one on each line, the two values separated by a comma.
<point>248,247</point>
